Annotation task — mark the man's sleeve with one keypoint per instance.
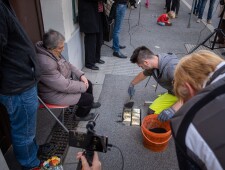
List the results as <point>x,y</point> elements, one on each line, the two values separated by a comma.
<point>3,31</point>
<point>170,73</point>
<point>171,68</point>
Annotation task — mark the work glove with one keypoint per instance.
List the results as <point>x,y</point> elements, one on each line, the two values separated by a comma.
<point>166,114</point>
<point>131,90</point>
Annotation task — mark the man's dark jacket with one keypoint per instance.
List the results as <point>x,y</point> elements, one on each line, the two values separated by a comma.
<point>88,16</point>
<point>18,65</point>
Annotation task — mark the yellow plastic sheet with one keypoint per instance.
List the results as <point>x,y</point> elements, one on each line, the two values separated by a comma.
<point>163,102</point>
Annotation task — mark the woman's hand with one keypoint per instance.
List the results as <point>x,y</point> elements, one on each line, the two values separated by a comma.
<point>85,80</point>
<point>96,164</point>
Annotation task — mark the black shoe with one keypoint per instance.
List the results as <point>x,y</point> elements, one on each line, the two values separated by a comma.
<point>122,46</point>
<point>119,55</point>
<point>95,105</point>
<point>90,116</point>
<point>92,67</point>
<point>100,62</point>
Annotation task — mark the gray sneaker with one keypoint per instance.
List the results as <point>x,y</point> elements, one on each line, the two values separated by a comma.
<point>209,21</point>
<point>199,20</point>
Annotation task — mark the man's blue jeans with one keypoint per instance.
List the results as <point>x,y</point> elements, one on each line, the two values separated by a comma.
<point>201,8</point>
<point>22,111</point>
<point>120,13</point>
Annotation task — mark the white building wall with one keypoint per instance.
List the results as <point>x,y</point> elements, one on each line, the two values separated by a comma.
<point>3,163</point>
<point>58,15</point>
<point>68,18</point>
<point>52,15</point>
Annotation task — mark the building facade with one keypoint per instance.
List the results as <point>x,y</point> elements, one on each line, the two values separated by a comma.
<point>38,16</point>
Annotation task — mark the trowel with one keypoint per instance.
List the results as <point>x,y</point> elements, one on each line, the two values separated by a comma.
<point>129,104</point>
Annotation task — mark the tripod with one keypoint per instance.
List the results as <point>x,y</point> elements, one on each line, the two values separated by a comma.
<point>216,31</point>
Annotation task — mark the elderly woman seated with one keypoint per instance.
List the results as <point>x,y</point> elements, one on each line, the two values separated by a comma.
<point>62,83</point>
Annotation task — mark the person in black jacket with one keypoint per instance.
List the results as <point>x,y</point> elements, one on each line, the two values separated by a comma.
<point>90,14</point>
<point>198,126</point>
<point>18,92</point>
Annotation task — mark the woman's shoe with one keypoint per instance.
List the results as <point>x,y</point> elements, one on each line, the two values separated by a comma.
<point>199,20</point>
<point>209,21</point>
<point>95,105</point>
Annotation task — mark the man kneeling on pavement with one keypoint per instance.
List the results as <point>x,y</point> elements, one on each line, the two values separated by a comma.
<point>61,83</point>
<point>161,67</point>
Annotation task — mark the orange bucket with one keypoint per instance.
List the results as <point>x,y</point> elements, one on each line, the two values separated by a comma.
<point>156,142</point>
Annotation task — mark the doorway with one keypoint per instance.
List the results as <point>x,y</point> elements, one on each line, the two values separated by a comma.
<point>29,15</point>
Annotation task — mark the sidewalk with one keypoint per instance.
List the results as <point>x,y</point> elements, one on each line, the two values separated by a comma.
<point>139,28</point>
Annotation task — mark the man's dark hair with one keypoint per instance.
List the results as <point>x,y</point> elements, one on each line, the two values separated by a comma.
<point>140,54</point>
<point>52,38</point>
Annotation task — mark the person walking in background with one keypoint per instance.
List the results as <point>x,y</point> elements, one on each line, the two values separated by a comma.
<point>62,83</point>
<point>199,82</point>
<point>161,67</point>
<point>146,3</point>
<point>168,5</point>
<point>19,74</point>
<point>195,10</point>
<point>201,8</point>
<point>121,6</point>
<point>175,7</point>
<point>90,15</point>
<point>220,39</point>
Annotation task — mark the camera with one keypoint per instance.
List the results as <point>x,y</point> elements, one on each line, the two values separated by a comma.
<point>89,141</point>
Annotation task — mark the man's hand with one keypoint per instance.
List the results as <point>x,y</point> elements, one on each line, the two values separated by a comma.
<point>96,164</point>
<point>131,90</point>
<point>84,79</point>
<point>166,114</point>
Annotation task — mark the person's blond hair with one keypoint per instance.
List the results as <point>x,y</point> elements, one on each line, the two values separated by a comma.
<point>171,14</point>
<point>194,69</point>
